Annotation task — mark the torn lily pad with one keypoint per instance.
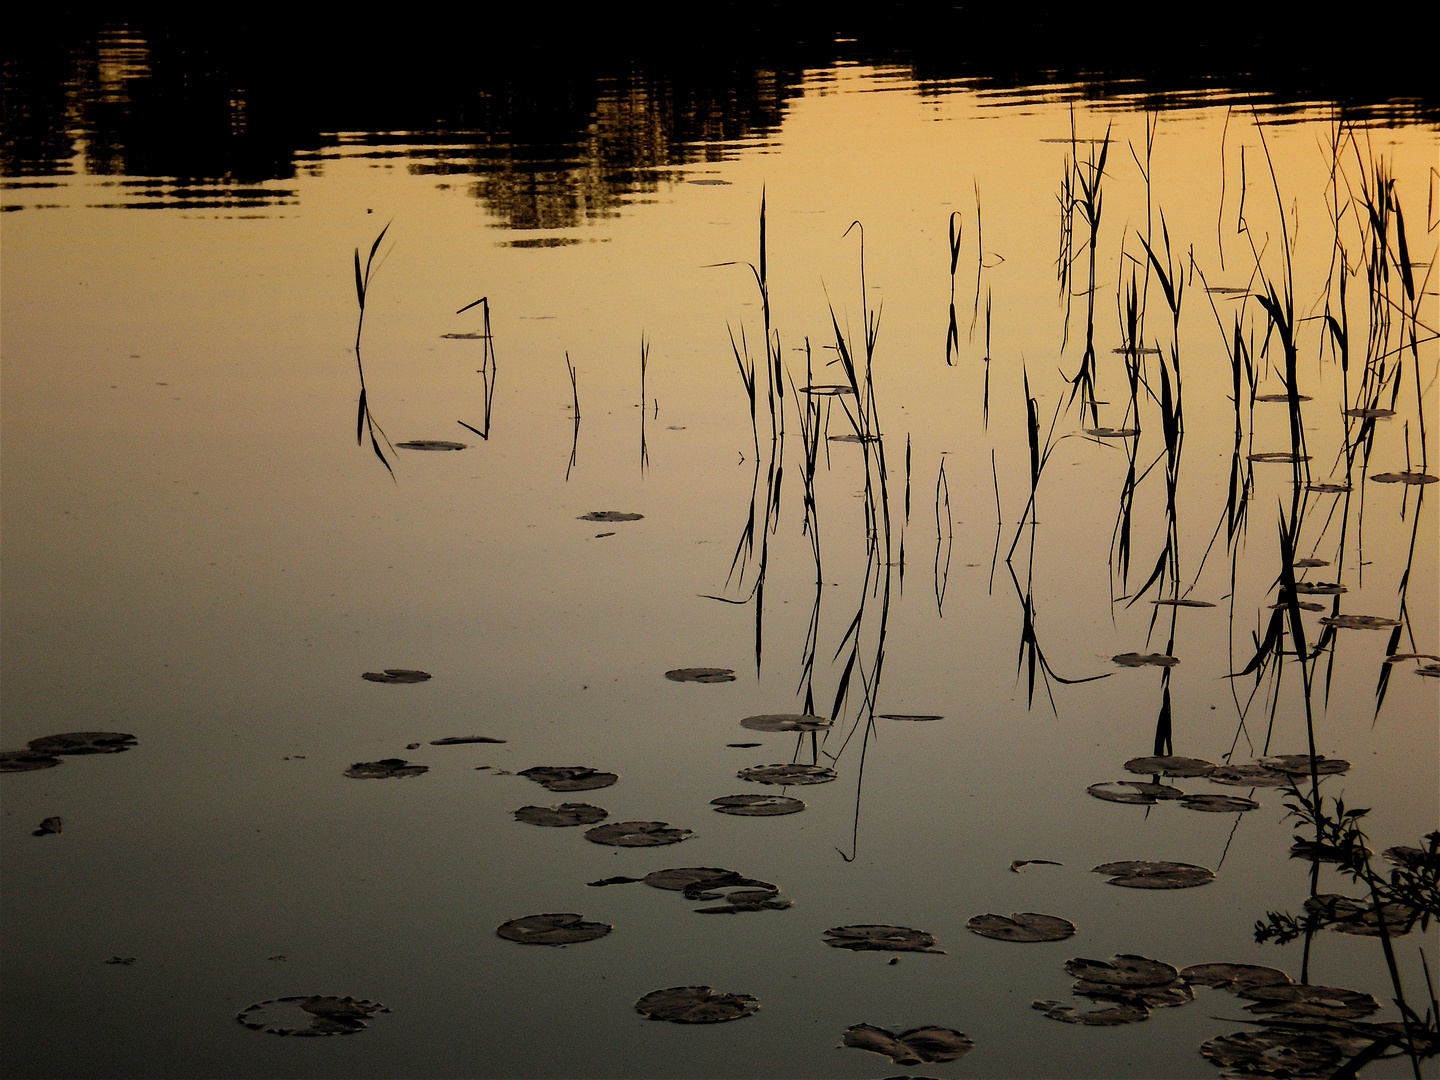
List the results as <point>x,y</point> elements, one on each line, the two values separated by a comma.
<point>1218,804</point>
<point>1251,775</point>
<point>319,1015</point>
<point>1110,1016</point>
<point>51,826</point>
<point>787,774</point>
<point>557,928</point>
<point>1136,792</point>
<point>701,674</point>
<point>1169,765</point>
<point>1359,622</point>
<point>919,718</point>
<point>396,675</point>
<point>569,777</point>
<point>1404,478</point>
<point>695,1005</point>
<point>393,768</point>
<point>609,515</point>
<point>1022,926</point>
<point>1359,917</point>
<point>460,740</point>
<point>1294,1000</point>
<point>1140,874</point>
<point>430,444</point>
<point>1133,659</point>
<point>562,816</point>
<point>877,937</point>
<point>757,805</point>
<point>1233,977</point>
<point>637,834</point>
<point>26,761</point>
<point>83,742</point>
<point>1272,1052</point>
<point>738,899</point>
<point>927,1044</point>
<point>784,722</point>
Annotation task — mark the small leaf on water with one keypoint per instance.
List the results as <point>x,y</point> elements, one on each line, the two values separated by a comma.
<point>1170,765</point>
<point>1251,775</point>
<point>1359,622</point>
<point>784,722</point>
<point>50,827</point>
<point>569,777</point>
<point>1131,659</point>
<point>385,769</point>
<point>396,675</point>
<point>637,834</point>
<point>1182,603</point>
<point>757,805</point>
<point>787,774</point>
<point>1022,926</point>
<point>1279,457</point>
<point>878,937</point>
<point>1018,863</point>
<point>320,1015</point>
<point>457,740</point>
<point>852,438</point>
<point>430,444</point>
<point>1319,588</point>
<point>1141,874</point>
<point>701,674</point>
<point>83,742</point>
<point>1134,792</point>
<point>918,718</point>
<point>609,515</point>
<point>930,1044</point>
<point>1218,804</point>
<point>1299,764</point>
<point>744,745</point>
<point>566,814</point>
<point>695,1005</point>
<point>1293,1000</point>
<point>1233,977</point>
<point>613,881</point>
<point>558,928</point>
<point>26,761</point>
<point>1307,564</point>
<point>1404,478</point>
<point>1112,1016</point>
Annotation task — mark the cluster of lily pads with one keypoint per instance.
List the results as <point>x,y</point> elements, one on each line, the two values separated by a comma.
<point>1278,771</point>
<point>46,752</point>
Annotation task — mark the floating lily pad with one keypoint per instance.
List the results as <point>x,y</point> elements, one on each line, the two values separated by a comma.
<point>1170,765</point>
<point>1135,792</point>
<point>833,390</point>
<point>1397,657</point>
<point>609,515</point>
<point>1370,414</point>
<point>430,444</point>
<point>1359,917</point>
<point>757,805</point>
<point>1022,926</point>
<point>1233,977</point>
<point>1182,603</point>
<point>566,814</point>
<point>701,674</point>
<point>320,1015</point>
<point>918,718</point>
<point>1308,564</point>
<point>1126,970</point>
<point>932,1044</point>
<point>126,960</point>
<point>458,740</point>
<point>743,745</point>
<point>1139,874</point>
<point>1359,622</point>
<point>26,761</point>
<point>1251,775</point>
<point>51,826</point>
<point>682,878</point>
<point>1303,605</point>
<point>873,937</point>
<point>397,675</point>
<point>1111,1016</point>
<point>695,1005</point>
<point>1281,397</point>
<point>787,774</point>
<point>852,438</point>
<point>1299,764</point>
<point>1430,671</point>
<point>1326,852</point>
<point>83,742</point>
<point>1413,857</point>
<point>1111,432</point>
<point>1018,863</point>
<point>1272,1052</point>
<point>1293,1000</point>
<point>784,722</point>
<point>558,928</point>
<point>1404,478</point>
<point>739,899</point>
<point>1319,588</point>
<point>1218,804</point>
<point>1279,457</point>
<point>1135,659</point>
<point>1328,489</point>
<point>618,880</point>
<point>393,768</point>
<point>637,834</point>
<point>569,777</point>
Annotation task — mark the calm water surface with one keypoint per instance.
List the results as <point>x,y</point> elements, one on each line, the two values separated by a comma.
<point>198,553</point>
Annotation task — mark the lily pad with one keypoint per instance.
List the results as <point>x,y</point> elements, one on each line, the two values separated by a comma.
<point>1272,1052</point>
<point>1319,588</point>
<point>1112,432</point>
<point>1293,1000</point>
<point>459,740</point>
<point>743,745</point>
<point>618,880</point>
<point>701,674</point>
<point>1299,764</point>
<point>1170,765</point>
<point>559,928</point>
<point>569,777</point>
<point>757,805</point>
<point>1359,917</point>
<point>1134,659</point>
<point>1022,926</point>
<point>393,768</point>
<point>397,675</point>
<point>1233,977</point>
<point>695,1005</point>
<point>784,722</point>
<point>26,761</point>
<point>1278,457</point>
<point>918,718</point>
<point>1413,857</point>
<point>83,742</point>
<point>1395,658</point>
<point>1135,792</point>
<point>321,1015</point>
<point>1218,804</point>
<point>1139,874</point>
<point>874,937</point>
<point>1111,1016</point>
<point>832,390</point>
<point>787,774</point>
<point>1281,397</point>
<point>1183,603</point>
<point>1303,605</point>
<point>1251,775</point>
<point>1328,489</point>
<point>637,834</point>
<point>931,1044</point>
<point>695,881</point>
<point>1308,564</point>
<point>1359,622</point>
<point>1404,478</point>
<point>566,814</point>
<point>430,444</point>
<point>1126,971</point>
<point>739,899</point>
<point>609,515</point>
<point>1370,414</point>
<point>51,826</point>
<point>1018,863</point>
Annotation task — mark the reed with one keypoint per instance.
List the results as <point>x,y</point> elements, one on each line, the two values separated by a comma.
<point>487,370</point>
<point>365,422</point>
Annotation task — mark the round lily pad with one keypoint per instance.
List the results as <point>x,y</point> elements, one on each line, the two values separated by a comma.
<point>1293,1000</point>
<point>873,937</point>
<point>784,722</point>
<point>637,834</point>
<point>700,882</point>
<point>1110,1016</point>
<point>701,674</point>
<point>1169,765</point>
<point>757,805</point>
<point>1218,804</point>
<point>931,1044</point>
<point>1136,792</point>
<point>914,717</point>
<point>1133,659</point>
<point>609,515</point>
<point>430,444</point>
<point>1272,1052</point>
<point>569,777</point>
<point>1319,588</point>
<point>1140,874</point>
<point>1299,764</point>
<point>1022,926</point>
<point>695,1005</point>
<point>385,769</point>
<point>1127,971</point>
<point>787,774</point>
<point>396,675</point>
<point>559,928</point>
<point>26,761</point>
<point>1404,478</point>
<point>1359,622</point>
<point>1233,977</point>
<point>1251,775</point>
<point>566,814</point>
<point>319,1015</point>
<point>83,742</point>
